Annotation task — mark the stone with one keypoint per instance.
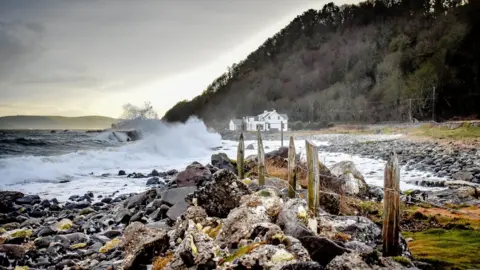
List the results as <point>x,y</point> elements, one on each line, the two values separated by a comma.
<point>154,173</point>
<point>303,266</point>
<point>357,227</point>
<point>121,173</point>
<point>141,198</point>
<point>193,175</point>
<point>220,195</point>
<point>29,199</point>
<point>13,251</point>
<point>176,195</point>
<point>172,172</point>
<point>463,176</point>
<point>222,161</point>
<point>176,210</point>
<point>141,244</point>
<point>321,249</point>
<point>354,183</point>
<point>250,147</point>
<point>63,225</point>
<point>330,202</point>
<point>281,152</point>
<point>7,198</point>
<point>123,215</point>
<point>354,261</point>
<point>107,200</point>
<point>153,181</point>
<point>75,238</point>
<point>45,231</point>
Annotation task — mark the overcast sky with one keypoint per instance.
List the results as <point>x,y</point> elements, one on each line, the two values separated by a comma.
<point>90,57</point>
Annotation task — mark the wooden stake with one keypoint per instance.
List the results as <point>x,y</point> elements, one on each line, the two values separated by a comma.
<point>261,160</point>
<point>391,208</point>
<point>292,177</point>
<point>240,157</point>
<point>281,133</point>
<point>312,176</point>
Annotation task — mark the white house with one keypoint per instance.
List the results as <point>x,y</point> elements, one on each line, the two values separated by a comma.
<point>268,120</point>
<point>235,124</point>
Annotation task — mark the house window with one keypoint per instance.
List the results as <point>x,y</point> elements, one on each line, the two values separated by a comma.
<point>268,126</point>
<point>278,117</point>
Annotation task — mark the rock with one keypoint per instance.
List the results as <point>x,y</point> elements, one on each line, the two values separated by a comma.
<point>62,225</point>
<point>123,215</point>
<point>141,198</point>
<point>11,226</point>
<point>13,251</point>
<point>222,161</point>
<point>45,203</point>
<point>7,198</point>
<point>107,200</point>
<point>359,247</point>
<point>153,181</point>
<point>303,266</point>
<point>375,192</point>
<point>137,216</point>
<point>250,147</point>
<point>172,172</point>
<point>110,245</point>
<point>77,237</point>
<point>193,175</point>
<point>29,199</point>
<point>154,173</point>
<point>321,249</point>
<point>221,194</point>
<point>354,181</point>
<point>196,248</point>
<point>176,195</point>
<point>45,231</point>
<point>330,202</point>
<point>281,152</point>
<point>357,227</point>
<point>141,244</point>
<point>121,173</point>
<point>176,210</point>
<point>16,236</point>
<point>354,261</point>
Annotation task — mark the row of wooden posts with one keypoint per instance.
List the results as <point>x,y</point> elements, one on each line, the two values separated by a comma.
<point>391,203</point>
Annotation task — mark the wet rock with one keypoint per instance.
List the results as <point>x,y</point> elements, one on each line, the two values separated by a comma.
<point>137,217</point>
<point>123,215</point>
<point>250,147</point>
<point>45,231</point>
<point>141,199</point>
<point>330,202</point>
<point>7,198</point>
<point>75,238</point>
<point>303,266</point>
<point>221,194</point>
<point>63,225</point>
<point>29,199</point>
<point>321,249</point>
<point>107,200</point>
<point>193,175</point>
<point>222,161</point>
<point>172,172</point>
<point>375,192</point>
<point>142,244</point>
<point>354,181</point>
<point>176,195</point>
<point>358,247</point>
<point>121,173</point>
<point>153,181</point>
<point>281,152</point>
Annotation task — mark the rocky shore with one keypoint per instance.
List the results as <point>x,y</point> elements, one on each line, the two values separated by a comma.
<point>204,217</point>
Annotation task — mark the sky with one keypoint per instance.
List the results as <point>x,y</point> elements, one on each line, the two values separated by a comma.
<point>75,58</point>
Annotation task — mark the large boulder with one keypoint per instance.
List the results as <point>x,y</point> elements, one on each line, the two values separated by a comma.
<point>219,195</point>
<point>463,176</point>
<point>293,222</point>
<point>355,261</point>
<point>141,244</point>
<point>7,198</point>
<point>176,195</point>
<point>193,175</point>
<point>222,161</point>
<point>354,182</point>
<point>281,152</point>
<point>356,228</point>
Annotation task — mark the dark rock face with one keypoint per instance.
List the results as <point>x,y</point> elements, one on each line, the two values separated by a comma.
<point>193,175</point>
<point>222,161</point>
<point>29,199</point>
<point>321,249</point>
<point>330,202</point>
<point>7,198</point>
<point>121,173</point>
<point>177,210</point>
<point>153,181</point>
<point>221,194</point>
<point>176,195</point>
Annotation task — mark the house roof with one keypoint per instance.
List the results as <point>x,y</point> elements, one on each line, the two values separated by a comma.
<point>237,121</point>
<point>284,116</point>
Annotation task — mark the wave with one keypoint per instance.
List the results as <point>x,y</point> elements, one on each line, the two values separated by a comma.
<point>24,142</point>
<point>162,145</point>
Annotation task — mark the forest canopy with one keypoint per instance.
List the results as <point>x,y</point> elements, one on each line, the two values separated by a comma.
<point>380,60</point>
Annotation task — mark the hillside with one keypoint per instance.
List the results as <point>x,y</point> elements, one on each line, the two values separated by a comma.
<point>55,122</point>
<point>383,60</point>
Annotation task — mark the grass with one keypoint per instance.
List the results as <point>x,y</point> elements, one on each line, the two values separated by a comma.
<point>446,248</point>
<point>465,131</point>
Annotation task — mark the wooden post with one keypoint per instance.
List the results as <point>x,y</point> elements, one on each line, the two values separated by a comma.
<point>391,208</point>
<point>281,133</point>
<point>292,177</point>
<point>240,157</point>
<point>312,176</point>
<point>261,160</point>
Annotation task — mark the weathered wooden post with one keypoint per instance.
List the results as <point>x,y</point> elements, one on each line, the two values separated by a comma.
<point>292,177</point>
<point>391,208</point>
<point>261,160</point>
<point>240,157</point>
<point>312,176</point>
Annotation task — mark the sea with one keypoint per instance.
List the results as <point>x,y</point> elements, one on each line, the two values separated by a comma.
<point>62,163</point>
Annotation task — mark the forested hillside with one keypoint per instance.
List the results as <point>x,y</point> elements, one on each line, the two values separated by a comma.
<point>380,60</point>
